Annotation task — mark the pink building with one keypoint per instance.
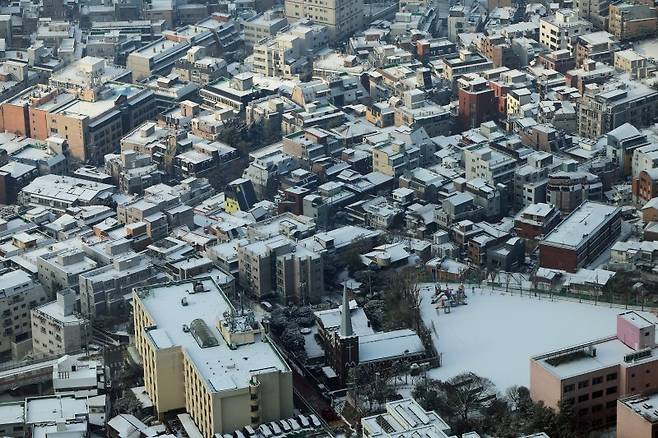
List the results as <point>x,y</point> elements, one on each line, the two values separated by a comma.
<point>592,376</point>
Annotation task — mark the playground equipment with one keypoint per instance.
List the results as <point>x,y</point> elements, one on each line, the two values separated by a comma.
<point>447,298</point>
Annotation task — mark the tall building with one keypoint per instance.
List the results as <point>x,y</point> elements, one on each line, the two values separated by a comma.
<point>561,31</point>
<point>202,355</point>
<point>341,17</point>
<point>18,294</point>
<point>606,107</point>
<point>289,54</point>
<point>595,11</point>
<point>632,21</point>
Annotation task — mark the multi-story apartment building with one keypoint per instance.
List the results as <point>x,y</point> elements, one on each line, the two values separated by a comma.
<point>622,142</point>
<point>531,179</point>
<point>536,220</point>
<point>597,46</point>
<point>342,18</point>
<point>581,237</point>
<point>18,295</point>
<point>477,101</point>
<point>61,269</point>
<point>592,376</point>
<point>195,66</point>
<point>567,190</point>
<point>495,167</point>
<point>645,158</point>
<point>394,157</point>
<point>465,62</point>
<point>103,290</point>
<point>234,93</point>
<point>289,54</point>
<point>629,21</point>
<point>420,112</point>
<point>595,11</point>
<point>629,61</point>
<point>92,121</point>
<point>157,57</point>
<point>604,108</point>
<point>262,26</point>
<point>278,265</point>
<point>562,30</point>
<point>202,355</point>
<point>57,329</point>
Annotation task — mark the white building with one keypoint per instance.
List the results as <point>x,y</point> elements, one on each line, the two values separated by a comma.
<point>289,54</point>
<point>562,30</point>
<point>342,18</point>
<point>18,294</point>
<point>56,329</point>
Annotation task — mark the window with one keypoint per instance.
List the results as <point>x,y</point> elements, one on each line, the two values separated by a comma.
<point>583,398</point>
<point>597,380</point>
<point>611,390</point>
<point>569,388</point>
<point>597,394</point>
<point>611,404</point>
<point>583,384</point>
<point>611,376</point>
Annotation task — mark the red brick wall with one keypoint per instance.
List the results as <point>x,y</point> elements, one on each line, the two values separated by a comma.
<point>557,258</point>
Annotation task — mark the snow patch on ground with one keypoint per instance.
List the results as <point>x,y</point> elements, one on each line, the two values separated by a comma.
<point>496,333</point>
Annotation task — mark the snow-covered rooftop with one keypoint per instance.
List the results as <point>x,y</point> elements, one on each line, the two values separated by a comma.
<point>222,367</point>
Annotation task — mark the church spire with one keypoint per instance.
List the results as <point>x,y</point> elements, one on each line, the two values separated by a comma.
<point>346,319</point>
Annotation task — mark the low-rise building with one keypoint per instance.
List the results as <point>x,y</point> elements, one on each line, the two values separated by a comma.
<point>581,237</point>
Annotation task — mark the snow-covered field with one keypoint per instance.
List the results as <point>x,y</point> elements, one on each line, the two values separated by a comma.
<point>496,334</point>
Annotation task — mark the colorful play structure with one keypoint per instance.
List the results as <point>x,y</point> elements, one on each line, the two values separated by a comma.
<point>447,298</point>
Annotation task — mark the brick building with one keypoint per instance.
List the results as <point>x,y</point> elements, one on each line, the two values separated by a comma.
<point>581,237</point>
<point>536,220</point>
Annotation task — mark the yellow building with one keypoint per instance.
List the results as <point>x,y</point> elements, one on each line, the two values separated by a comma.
<point>201,355</point>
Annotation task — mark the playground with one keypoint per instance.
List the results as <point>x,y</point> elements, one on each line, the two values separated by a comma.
<point>496,333</point>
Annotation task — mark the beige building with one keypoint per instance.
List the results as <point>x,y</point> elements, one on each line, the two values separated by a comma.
<point>632,21</point>
<point>393,158</point>
<point>201,355</point>
<point>57,329</point>
<point>562,30</point>
<point>341,17</point>
<point>289,54</point>
<point>637,416</point>
<point>262,26</point>
<point>629,61</point>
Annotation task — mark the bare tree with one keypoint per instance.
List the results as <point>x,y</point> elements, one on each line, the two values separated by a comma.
<point>468,393</point>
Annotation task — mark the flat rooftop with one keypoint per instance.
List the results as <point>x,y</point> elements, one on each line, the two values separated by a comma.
<point>645,406</point>
<point>222,367</point>
<point>581,223</point>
